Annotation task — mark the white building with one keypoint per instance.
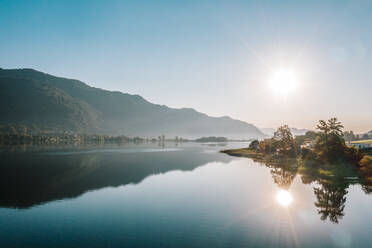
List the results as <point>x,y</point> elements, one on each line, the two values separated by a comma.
<point>308,144</point>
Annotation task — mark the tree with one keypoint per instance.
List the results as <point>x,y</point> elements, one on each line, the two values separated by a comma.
<point>311,135</point>
<point>331,137</point>
<point>321,143</point>
<point>284,138</point>
<point>323,127</point>
<point>254,145</point>
<point>335,127</point>
<point>330,144</point>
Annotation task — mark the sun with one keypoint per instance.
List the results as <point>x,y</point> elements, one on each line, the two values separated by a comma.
<point>284,198</point>
<point>283,81</point>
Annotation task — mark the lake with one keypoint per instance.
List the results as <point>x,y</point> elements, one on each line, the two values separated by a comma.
<point>185,195</point>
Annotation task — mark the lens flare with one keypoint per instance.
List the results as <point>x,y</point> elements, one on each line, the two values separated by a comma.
<point>283,81</point>
<point>284,198</point>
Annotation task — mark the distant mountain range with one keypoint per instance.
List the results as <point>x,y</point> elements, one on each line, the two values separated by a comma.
<point>39,101</point>
<point>295,131</point>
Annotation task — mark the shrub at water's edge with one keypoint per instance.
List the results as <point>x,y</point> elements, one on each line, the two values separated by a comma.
<point>366,167</point>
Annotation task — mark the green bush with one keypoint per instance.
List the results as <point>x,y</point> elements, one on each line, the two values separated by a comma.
<point>307,154</point>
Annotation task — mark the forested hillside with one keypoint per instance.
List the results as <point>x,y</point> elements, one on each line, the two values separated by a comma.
<point>37,101</point>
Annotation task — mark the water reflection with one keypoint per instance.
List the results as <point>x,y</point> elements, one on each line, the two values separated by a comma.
<point>330,184</point>
<point>32,178</point>
<point>331,198</point>
<point>187,197</point>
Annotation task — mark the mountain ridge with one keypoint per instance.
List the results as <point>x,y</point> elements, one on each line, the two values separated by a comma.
<point>75,106</point>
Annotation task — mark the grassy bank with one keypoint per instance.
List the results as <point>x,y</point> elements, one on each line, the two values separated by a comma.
<point>243,152</point>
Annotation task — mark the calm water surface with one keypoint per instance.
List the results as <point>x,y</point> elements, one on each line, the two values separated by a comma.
<point>174,196</point>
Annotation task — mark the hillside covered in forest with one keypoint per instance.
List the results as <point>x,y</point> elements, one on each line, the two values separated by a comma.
<point>36,101</point>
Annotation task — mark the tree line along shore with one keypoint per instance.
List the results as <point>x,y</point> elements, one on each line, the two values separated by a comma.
<point>322,148</point>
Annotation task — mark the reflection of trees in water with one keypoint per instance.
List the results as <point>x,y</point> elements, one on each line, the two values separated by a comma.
<point>333,181</point>
<point>367,188</point>
<point>331,199</point>
<point>332,189</point>
<point>283,177</point>
<point>283,173</point>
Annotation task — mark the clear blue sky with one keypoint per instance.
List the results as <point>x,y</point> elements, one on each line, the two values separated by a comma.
<point>214,56</point>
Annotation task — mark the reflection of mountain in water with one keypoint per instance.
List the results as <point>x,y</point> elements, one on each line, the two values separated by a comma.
<point>29,179</point>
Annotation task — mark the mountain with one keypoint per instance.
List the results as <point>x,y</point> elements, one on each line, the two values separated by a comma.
<point>295,131</point>
<point>39,101</point>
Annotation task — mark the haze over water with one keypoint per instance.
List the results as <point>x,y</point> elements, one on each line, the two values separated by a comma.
<point>188,195</point>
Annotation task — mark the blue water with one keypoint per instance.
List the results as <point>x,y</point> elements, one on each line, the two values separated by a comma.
<point>188,195</point>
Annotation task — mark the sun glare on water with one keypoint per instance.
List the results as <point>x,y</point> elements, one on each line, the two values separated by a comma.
<point>283,81</point>
<point>284,198</point>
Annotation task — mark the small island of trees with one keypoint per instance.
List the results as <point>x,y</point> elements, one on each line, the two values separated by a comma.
<point>326,146</point>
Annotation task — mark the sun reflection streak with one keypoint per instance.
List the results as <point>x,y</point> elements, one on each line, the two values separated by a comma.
<point>293,229</point>
<point>284,198</point>
<point>281,222</point>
